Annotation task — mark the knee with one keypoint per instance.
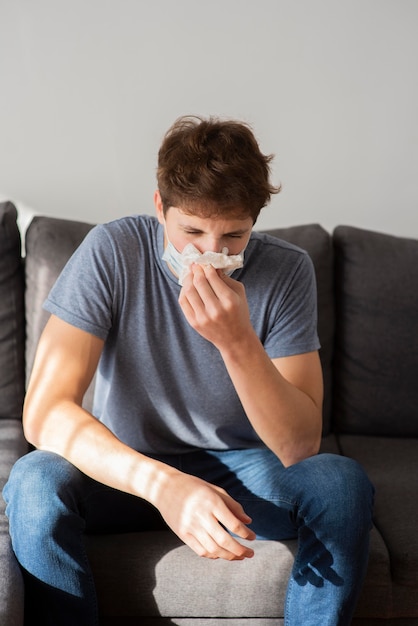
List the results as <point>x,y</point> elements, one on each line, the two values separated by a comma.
<point>34,485</point>
<point>341,484</point>
<point>350,492</point>
<point>345,473</point>
<point>32,474</point>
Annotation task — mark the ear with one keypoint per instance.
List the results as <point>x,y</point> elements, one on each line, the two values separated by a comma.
<point>158,203</point>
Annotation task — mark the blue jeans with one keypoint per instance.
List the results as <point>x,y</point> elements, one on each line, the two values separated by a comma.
<point>325,501</point>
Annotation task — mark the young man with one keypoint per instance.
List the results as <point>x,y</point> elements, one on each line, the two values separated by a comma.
<point>207,393</point>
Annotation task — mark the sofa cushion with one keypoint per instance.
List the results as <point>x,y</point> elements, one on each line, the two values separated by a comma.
<point>318,243</point>
<point>376,361</point>
<point>166,578</point>
<point>392,465</point>
<point>153,573</point>
<point>12,322</point>
<point>49,244</point>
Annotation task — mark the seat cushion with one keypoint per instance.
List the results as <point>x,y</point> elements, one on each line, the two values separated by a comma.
<point>392,465</point>
<point>154,574</point>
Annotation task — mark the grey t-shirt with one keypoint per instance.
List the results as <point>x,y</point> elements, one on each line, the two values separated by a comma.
<point>160,386</point>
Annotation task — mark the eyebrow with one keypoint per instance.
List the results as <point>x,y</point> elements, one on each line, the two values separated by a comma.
<point>238,231</point>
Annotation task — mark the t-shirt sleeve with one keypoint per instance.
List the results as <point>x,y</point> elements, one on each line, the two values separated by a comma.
<point>295,326</point>
<point>82,294</point>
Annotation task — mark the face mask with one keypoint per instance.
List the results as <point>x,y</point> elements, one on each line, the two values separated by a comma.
<point>180,262</point>
<point>173,258</point>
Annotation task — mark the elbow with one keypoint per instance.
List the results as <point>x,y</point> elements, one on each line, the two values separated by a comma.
<point>30,429</point>
<point>299,451</point>
<point>32,423</point>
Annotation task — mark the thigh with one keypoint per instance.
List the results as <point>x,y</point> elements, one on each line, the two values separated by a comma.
<point>49,483</point>
<point>109,510</point>
<point>255,479</point>
<point>330,489</point>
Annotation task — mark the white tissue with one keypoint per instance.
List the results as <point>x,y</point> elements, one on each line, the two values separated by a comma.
<point>219,260</point>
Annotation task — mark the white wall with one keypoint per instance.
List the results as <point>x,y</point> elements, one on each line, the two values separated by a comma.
<point>88,88</point>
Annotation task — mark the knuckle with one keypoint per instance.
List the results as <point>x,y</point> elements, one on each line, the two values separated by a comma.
<point>236,527</point>
<point>216,316</point>
<point>199,278</point>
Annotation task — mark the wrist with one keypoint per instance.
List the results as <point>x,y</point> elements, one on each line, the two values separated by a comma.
<point>240,347</point>
<point>154,480</point>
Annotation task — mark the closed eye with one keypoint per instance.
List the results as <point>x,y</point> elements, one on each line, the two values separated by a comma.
<point>193,232</point>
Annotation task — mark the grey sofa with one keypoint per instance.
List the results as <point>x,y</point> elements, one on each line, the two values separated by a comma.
<point>368,326</point>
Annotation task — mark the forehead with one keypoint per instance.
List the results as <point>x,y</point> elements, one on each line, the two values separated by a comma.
<point>227,223</point>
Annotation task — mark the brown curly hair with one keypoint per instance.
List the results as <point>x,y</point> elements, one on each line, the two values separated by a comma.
<point>210,168</point>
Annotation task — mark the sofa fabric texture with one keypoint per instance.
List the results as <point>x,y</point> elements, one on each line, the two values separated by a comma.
<point>367,286</point>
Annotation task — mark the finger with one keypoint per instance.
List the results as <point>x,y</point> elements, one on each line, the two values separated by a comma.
<point>217,281</point>
<point>227,290</point>
<point>237,510</point>
<point>231,545</point>
<point>232,516</point>
<point>237,527</point>
<point>193,286</point>
<point>186,307</point>
<point>216,297</point>
<point>209,281</point>
<point>202,302</point>
<point>198,547</point>
<point>210,539</point>
<point>205,278</point>
<point>190,300</point>
<point>218,543</point>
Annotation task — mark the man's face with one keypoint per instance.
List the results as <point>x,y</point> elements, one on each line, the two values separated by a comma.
<point>205,233</point>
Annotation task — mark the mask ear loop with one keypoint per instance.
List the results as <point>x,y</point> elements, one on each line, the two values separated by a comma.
<point>171,255</point>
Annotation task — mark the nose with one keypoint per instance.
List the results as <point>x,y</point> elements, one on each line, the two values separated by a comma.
<point>211,244</point>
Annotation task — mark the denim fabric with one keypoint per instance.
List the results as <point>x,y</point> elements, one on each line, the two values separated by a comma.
<point>325,501</point>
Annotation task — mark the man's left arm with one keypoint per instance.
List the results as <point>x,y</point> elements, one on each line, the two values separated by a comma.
<point>282,397</point>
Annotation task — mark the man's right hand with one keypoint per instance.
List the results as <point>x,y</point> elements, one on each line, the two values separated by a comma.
<point>201,514</point>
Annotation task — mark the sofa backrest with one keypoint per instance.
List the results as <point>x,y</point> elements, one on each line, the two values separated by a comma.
<point>376,353</point>
<point>318,243</point>
<point>367,286</point>
<point>49,244</point>
<point>12,321</point>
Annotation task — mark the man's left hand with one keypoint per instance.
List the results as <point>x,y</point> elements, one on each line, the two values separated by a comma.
<point>215,305</point>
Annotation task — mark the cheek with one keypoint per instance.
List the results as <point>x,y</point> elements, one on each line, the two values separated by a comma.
<point>179,242</point>
<point>235,247</point>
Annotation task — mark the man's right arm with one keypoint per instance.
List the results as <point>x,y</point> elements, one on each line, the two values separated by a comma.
<point>54,420</point>
<point>53,417</point>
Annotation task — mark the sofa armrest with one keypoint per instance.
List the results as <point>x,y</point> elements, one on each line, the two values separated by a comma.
<point>12,447</point>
